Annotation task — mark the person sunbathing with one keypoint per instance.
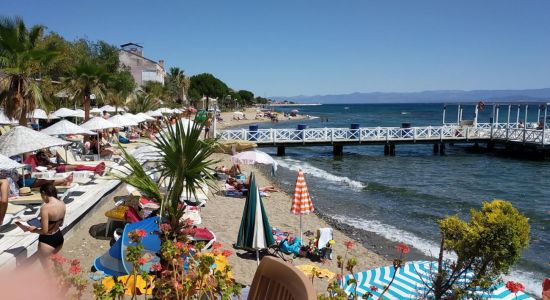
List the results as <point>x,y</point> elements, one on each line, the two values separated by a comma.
<point>234,171</point>
<point>268,188</point>
<point>41,159</point>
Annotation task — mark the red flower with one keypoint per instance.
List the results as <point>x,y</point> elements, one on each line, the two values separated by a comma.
<point>74,270</point>
<point>349,245</point>
<point>156,268</point>
<point>403,248</point>
<point>339,277</point>
<point>373,288</point>
<point>58,259</point>
<point>180,245</point>
<point>141,261</point>
<point>75,262</point>
<point>227,253</point>
<point>515,287</point>
<point>216,245</point>
<point>141,233</point>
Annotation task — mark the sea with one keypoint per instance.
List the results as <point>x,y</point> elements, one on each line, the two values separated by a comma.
<point>400,198</point>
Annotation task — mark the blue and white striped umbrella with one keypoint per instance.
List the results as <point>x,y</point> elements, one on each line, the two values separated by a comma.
<point>410,282</point>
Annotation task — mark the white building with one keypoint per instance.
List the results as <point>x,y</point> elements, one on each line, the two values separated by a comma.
<point>143,69</point>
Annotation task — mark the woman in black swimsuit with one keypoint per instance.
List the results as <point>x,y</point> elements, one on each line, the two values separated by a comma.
<point>52,214</point>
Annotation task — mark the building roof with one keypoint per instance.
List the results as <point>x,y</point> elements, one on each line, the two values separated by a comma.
<point>128,44</point>
<point>140,56</point>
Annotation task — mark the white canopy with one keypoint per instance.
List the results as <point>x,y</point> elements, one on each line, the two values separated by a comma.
<point>9,164</point>
<point>38,114</point>
<point>177,111</point>
<point>64,113</point>
<point>108,108</point>
<point>66,127</point>
<point>238,113</point>
<point>22,139</point>
<point>96,110</point>
<point>154,113</point>
<point>185,122</point>
<point>135,118</point>
<point>80,113</point>
<point>145,116</point>
<point>98,123</point>
<point>5,120</point>
<point>164,110</point>
<point>122,121</point>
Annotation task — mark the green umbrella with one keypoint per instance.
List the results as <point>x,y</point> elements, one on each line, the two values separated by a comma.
<point>255,231</point>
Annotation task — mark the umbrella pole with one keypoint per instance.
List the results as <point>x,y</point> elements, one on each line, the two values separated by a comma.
<point>258,257</point>
<point>98,147</point>
<point>301,228</point>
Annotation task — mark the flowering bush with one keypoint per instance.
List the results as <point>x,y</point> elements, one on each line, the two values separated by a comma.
<point>515,287</point>
<point>69,276</point>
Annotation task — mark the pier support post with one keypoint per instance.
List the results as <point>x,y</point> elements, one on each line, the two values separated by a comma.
<point>392,149</point>
<point>386,149</point>
<point>338,150</point>
<point>436,148</point>
<point>442,149</point>
<point>280,150</point>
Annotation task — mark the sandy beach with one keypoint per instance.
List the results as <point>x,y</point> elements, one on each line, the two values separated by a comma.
<point>250,114</point>
<point>223,216</point>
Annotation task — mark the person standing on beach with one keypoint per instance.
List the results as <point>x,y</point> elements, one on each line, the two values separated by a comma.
<point>207,125</point>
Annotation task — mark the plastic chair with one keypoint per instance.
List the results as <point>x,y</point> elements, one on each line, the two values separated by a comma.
<point>275,279</point>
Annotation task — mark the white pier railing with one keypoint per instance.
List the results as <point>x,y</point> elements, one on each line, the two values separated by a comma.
<point>498,132</point>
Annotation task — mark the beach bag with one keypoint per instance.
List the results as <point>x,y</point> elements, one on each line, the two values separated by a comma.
<point>291,248</point>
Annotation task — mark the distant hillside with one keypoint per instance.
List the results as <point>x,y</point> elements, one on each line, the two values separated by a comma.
<point>427,96</point>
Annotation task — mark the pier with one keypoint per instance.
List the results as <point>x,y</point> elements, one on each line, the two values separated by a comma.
<point>517,134</point>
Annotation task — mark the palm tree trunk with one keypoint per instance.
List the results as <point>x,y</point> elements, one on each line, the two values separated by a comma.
<point>86,107</point>
<point>23,103</point>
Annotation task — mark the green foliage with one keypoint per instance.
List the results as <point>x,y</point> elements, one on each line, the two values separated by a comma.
<point>142,102</point>
<point>21,60</point>
<point>487,246</point>
<point>86,79</point>
<point>247,97</point>
<point>207,85</point>
<point>177,84</point>
<point>154,89</point>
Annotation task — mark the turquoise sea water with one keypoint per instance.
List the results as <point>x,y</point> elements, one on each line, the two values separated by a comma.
<point>402,197</point>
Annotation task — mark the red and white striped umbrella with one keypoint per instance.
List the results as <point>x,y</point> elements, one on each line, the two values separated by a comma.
<point>301,203</point>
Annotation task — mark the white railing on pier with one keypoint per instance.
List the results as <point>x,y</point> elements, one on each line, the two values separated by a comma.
<point>483,131</point>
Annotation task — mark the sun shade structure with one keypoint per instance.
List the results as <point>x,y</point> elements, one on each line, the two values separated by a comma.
<point>65,112</point>
<point>301,203</point>
<point>154,113</point>
<point>252,157</point>
<point>122,121</point>
<point>9,164</point>
<point>410,280</point>
<point>21,139</point>
<point>255,232</point>
<point>165,110</point>
<point>64,127</point>
<point>108,108</point>
<point>98,123</point>
<point>145,116</point>
<point>135,118</point>
<point>96,110</point>
<point>38,114</point>
<point>4,119</point>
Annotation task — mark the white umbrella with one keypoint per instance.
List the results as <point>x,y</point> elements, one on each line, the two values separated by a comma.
<point>122,121</point>
<point>21,139</point>
<point>64,113</point>
<point>135,118</point>
<point>252,157</point>
<point>154,113</point>
<point>5,120</point>
<point>108,108</point>
<point>7,163</point>
<point>96,110</point>
<point>177,111</point>
<point>80,113</point>
<point>97,123</point>
<point>238,113</point>
<point>185,122</point>
<point>38,114</point>
<point>66,127</point>
<point>165,110</point>
<point>145,116</point>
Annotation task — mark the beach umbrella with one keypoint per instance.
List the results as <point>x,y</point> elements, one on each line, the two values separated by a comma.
<point>410,282</point>
<point>164,110</point>
<point>122,121</point>
<point>80,113</point>
<point>255,232</point>
<point>64,127</point>
<point>38,114</point>
<point>145,116</point>
<point>135,118</point>
<point>301,203</point>
<point>154,113</point>
<point>96,110</point>
<point>252,157</point>
<point>7,163</point>
<point>98,123</point>
<point>21,139</point>
<point>240,113</point>
<point>108,108</point>
<point>4,119</point>
<point>64,113</point>
<point>191,109</point>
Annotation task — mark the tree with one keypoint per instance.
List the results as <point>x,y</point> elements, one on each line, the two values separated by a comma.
<point>21,61</point>
<point>120,86</point>
<point>487,247</point>
<point>247,97</point>
<point>207,85</point>
<point>142,102</point>
<point>155,89</point>
<point>177,85</point>
<point>88,78</point>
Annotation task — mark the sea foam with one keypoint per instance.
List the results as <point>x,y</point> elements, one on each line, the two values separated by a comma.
<point>295,165</point>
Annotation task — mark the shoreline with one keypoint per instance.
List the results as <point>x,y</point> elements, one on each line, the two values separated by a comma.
<point>250,114</point>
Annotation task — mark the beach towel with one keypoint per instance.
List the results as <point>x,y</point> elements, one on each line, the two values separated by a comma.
<point>325,235</point>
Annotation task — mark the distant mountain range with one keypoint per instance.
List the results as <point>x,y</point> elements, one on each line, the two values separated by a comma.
<point>426,96</point>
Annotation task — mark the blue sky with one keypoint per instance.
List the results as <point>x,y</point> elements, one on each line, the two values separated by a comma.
<point>287,48</point>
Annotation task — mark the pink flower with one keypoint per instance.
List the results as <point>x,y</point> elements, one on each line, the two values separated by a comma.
<point>349,245</point>
<point>216,245</point>
<point>75,262</point>
<point>373,288</point>
<point>140,233</point>
<point>165,227</point>
<point>403,248</point>
<point>156,268</point>
<point>180,245</point>
<point>227,253</point>
<point>58,259</point>
<point>74,270</point>
<point>141,261</point>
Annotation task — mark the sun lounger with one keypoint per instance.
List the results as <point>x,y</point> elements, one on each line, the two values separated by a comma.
<point>71,159</point>
<point>33,199</point>
<point>14,209</point>
<point>203,235</point>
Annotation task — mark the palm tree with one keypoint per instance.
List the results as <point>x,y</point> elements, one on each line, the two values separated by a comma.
<point>142,102</point>
<point>20,64</point>
<point>179,83</point>
<point>185,166</point>
<point>87,79</point>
